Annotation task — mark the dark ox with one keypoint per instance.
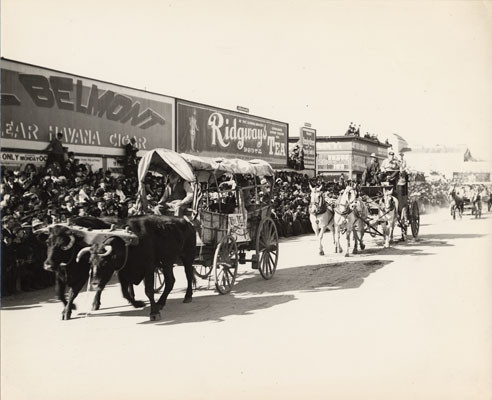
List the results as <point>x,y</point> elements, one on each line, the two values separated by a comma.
<point>163,241</point>
<point>63,245</point>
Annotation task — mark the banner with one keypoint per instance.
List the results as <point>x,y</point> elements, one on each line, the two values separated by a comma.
<point>213,132</point>
<point>95,117</point>
<point>308,141</point>
<point>15,160</point>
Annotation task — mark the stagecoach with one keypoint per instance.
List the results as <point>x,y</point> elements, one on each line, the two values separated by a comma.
<point>408,208</point>
<point>231,217</point>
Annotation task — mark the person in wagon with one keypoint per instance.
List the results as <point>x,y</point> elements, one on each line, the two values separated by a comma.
<point>177,196</point>
<point>403,167</point>
<point>390,168</point>
<point>370,177</point>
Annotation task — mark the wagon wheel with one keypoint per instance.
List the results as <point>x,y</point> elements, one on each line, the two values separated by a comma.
<point>267,248</point>
<point>415,219</point>
<point>203,271</point>
<point>158,279</point>
<point>225,264</point>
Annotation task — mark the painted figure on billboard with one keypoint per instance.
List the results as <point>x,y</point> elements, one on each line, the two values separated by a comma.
<point>193,130</point>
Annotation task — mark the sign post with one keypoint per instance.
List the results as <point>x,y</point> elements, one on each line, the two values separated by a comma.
<point>308,143</point>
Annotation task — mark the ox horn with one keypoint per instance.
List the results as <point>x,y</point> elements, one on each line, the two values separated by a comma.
<point>82,252</point>
<point>70,243</point>
<point>108,250</point>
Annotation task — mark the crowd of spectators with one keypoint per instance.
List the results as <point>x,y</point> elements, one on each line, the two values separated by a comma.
<point>430,194</point>
<point>35,197</point>
<point>290,204</point>
<point>355,131</point>
<point>296,157</point>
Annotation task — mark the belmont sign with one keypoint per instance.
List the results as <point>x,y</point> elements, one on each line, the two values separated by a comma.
<point>215,132</point>
<point>94,116</point>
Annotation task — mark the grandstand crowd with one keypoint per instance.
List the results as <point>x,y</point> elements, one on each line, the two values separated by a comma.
<point>35,197</point>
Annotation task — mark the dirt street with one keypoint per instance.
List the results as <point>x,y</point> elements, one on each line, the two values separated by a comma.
<point>410,322</point>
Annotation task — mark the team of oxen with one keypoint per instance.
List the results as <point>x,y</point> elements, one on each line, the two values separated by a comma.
<point>348,216</point>
<point>162,242</point>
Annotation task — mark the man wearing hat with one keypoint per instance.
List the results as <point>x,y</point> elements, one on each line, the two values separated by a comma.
<point>177,196</point>
<point>370,177</point>
<point>403,168</point>
<point>390,168</point>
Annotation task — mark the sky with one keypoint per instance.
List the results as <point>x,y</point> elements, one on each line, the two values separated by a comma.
<point>421,69</point>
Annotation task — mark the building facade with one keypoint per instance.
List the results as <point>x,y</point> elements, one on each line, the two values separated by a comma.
<point>347,154</point>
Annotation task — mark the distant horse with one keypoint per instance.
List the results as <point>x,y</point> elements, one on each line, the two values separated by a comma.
<point>476,201</point>
<point>388,215</point>
<point>350,213</point>
<point>321,216</point>
<point>458,204</point>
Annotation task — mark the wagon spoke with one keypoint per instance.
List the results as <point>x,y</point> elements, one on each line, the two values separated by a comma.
<point>225,277</point>
<point>268,268</point>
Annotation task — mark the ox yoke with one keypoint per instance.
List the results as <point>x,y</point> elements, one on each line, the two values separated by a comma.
<point>99,235</point>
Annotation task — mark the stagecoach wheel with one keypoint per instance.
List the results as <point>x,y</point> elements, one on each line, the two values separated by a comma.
<point>267,248</point>
<point>203,271</point>
<point>225,264</point>
<point>158,279</point>
<point>415,219</point>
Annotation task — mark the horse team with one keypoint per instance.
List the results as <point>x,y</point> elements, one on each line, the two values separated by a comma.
<point>348,216</point>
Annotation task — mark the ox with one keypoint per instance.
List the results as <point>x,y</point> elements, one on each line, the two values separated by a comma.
<point>162,242</point>
<point>63,244</point>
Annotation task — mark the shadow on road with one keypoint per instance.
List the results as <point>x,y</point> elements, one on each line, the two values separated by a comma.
<point>26,300</point>
<point>253,293</point>
<point>424,238</point>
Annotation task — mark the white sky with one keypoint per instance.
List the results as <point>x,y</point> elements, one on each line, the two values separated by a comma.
<point>420,69</point>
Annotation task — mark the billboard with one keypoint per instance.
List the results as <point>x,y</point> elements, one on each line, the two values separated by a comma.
<point>95,117</point>
<point>213,132</point>
<point>308,141</point>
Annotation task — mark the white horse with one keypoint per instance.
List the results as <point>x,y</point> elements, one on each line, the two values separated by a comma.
<point>321,216</point>
<point>350,214</point>
<point>388,214</point>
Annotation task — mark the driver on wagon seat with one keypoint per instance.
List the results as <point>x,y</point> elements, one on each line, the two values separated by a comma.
<point>177,196</point>
<point>390,169</point>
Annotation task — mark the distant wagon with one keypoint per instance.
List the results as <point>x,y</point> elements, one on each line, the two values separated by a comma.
<point>408,209</point>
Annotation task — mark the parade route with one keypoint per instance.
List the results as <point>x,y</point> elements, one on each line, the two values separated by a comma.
<point>410,322</point>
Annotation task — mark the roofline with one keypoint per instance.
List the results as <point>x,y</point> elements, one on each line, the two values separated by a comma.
<point>176,98</point>
<point>351,138</point>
